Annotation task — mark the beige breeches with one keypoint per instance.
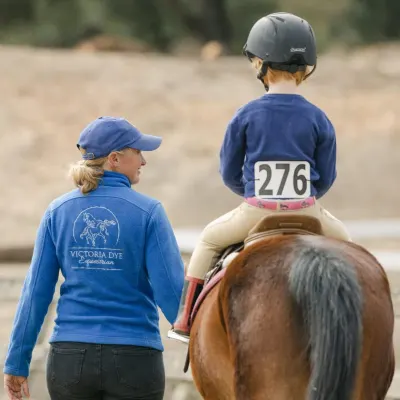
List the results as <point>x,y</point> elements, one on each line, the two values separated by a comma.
<point>234,227</point>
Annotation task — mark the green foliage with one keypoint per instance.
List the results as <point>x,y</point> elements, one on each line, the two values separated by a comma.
<point>375,20</point>
<point>144,19</point>
<point>16,11</point>
<point>162,23</point>
<point>243,14</point>
<point>57,22</point>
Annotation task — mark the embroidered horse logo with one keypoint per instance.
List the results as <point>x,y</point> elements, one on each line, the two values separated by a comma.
<point>95,228</point>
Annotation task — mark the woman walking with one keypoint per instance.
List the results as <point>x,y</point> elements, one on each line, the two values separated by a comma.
<point>120,260</point>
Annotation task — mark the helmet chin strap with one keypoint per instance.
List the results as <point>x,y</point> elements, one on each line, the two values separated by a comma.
<point>262,74</point>
<point>311,72</point>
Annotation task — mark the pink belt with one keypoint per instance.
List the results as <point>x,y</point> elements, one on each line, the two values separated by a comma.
<point>283,205</point>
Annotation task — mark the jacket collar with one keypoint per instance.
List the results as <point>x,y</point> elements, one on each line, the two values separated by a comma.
<point>115,179</point>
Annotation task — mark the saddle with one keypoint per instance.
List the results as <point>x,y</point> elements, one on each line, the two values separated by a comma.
<point>269,226</point>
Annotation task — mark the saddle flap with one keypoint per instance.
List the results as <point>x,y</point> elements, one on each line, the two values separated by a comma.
<point>287,222</point>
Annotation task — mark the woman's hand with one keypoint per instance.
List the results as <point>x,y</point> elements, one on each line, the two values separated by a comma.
<point>16,385</point>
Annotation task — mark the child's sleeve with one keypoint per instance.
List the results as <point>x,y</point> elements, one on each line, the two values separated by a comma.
<point>325,158</point>
<point>232,156</point>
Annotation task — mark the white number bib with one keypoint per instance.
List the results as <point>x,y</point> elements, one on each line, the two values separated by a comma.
<point>282,179</point>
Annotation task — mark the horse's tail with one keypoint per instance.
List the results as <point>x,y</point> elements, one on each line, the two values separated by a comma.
<point>325,287</point>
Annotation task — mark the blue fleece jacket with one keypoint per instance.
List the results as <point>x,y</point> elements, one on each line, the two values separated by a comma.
<point>120,260</point>
<point>278,127</point>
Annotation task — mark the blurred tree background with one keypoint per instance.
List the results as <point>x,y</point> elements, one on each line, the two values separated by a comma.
<point>161,24</point>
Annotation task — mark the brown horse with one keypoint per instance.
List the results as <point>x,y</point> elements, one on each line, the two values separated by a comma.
<point>296,317</point>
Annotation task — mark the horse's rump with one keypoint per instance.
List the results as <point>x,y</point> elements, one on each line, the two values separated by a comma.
<point>298,313</point>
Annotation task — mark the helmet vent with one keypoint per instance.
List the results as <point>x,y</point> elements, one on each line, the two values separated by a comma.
<point>278,18</point>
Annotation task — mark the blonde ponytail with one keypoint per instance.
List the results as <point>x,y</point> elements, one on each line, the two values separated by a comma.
<point>86,174</point>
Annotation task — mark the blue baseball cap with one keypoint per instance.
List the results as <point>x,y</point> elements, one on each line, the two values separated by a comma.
<point>107,134</point>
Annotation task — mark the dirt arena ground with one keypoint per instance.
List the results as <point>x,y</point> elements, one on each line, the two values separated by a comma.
<point>49,96</point>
